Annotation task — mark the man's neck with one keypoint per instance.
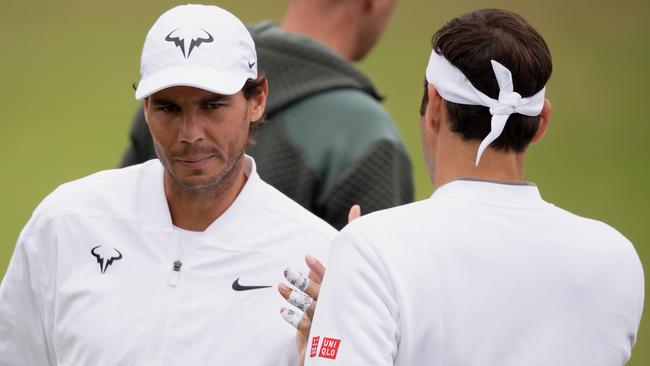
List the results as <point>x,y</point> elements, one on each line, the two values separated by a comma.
<point>197,209</point>
<point>456,161</point>
<point>336,30</point>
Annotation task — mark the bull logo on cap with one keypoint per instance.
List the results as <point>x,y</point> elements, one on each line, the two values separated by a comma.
<point>195,37</point>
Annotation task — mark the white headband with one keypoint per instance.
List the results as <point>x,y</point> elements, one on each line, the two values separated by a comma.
<point>453,86</point>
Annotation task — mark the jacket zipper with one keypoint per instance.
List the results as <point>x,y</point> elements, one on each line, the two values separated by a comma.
<point>162,317</point>
<point>170,289</point>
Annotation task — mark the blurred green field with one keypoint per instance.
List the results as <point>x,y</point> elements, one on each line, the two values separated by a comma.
<point>67,69</point>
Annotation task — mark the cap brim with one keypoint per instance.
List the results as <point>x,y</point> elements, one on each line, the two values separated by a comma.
<point>216,82</point>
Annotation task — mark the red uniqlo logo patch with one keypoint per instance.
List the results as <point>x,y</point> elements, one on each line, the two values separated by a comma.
<point>314,347</point>
<point>329,348</point>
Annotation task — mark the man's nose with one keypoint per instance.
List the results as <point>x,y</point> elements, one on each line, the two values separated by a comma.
<point>191,130</point>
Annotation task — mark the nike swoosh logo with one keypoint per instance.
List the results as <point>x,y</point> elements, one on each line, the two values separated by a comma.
<point>237,287</point>
<point>250,65</point>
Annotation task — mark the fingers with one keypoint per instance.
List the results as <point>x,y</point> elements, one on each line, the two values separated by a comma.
<point>295,297</point>
<point>296,278</point>
<point>302,282</point>
<point>355,213</point>
<point>297,320</point>
<point>298,299</point>
<point>304,296</point>
<point>316,269</point>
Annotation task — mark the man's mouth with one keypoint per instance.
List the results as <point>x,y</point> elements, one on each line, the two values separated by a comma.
<point>195,161</point>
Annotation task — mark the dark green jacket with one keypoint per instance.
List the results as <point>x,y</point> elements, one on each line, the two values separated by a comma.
<point>327,143</point>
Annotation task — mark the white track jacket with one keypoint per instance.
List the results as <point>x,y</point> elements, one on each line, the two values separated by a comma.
<point>100,277</point>
<point>480,274</point>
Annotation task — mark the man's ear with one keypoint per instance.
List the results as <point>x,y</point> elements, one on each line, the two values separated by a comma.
<point>145,109</point>
<point>544,118</point>
<point>435,108</point>
<point>259,102</point>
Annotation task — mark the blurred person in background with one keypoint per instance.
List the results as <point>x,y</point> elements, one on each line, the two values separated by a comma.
<point>485,272</point>
<point>328,143</point>
<point>168,262</point>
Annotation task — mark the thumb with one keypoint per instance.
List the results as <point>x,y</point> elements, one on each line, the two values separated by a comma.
<point>355,213</point>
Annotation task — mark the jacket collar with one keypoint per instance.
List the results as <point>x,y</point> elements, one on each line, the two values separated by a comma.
<point>154,210</point>
<point>504,194</point>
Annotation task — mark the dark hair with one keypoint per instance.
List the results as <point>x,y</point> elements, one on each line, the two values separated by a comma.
<point>469,42</point>
<point>254,87</point>
<point>251,89</point>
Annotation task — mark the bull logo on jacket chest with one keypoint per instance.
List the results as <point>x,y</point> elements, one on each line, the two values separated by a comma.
<point>105,257</point>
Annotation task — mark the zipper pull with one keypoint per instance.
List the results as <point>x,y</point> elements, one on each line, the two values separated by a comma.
<point>176,272</point>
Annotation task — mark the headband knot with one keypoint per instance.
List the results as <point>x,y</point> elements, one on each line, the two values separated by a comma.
<point>453,86</point>
<point>507,104</point>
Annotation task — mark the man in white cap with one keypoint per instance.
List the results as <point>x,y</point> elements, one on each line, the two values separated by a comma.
<point>485,272</point>
<point>327,142</point>
<point>171,262</point>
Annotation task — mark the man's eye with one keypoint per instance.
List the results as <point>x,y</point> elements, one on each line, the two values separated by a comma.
<point>214,105</point>
<point>168,108</point>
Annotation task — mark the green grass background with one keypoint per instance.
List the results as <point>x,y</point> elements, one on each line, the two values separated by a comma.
<point>67,66</point>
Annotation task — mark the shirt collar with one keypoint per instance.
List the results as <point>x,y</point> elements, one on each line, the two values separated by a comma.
<point>504,194</point>
<point>154,210</point>
<point>246,206</point>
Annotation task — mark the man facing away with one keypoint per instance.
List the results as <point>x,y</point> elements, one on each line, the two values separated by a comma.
<point>169,262</point>
<point>485,272</point>
<point>328,143</point>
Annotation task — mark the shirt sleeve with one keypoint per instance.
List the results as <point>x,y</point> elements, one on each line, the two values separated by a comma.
<point>23,339</point>
<point>356,320</point>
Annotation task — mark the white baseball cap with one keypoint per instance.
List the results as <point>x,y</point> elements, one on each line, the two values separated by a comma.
<point>201,46</point>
